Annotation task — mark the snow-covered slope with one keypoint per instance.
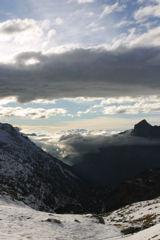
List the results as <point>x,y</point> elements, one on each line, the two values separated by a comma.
<point>19,221</point>
<point>40,180</point>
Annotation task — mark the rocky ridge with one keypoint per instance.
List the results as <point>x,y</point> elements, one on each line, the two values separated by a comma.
<point>144,129</point>
<point>40,180</point>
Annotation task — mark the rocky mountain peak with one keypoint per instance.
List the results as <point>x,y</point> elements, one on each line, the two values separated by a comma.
<point>144,129</point>
<point>144,122</point>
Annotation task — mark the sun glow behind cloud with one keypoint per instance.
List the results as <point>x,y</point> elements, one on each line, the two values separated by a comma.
<point>79,63</point>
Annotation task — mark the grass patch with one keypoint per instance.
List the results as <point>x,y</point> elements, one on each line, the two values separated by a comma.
<point>146,219</point>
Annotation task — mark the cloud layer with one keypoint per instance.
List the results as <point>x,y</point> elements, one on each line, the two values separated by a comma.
<point>32,113</point>
<point>82,72</point>
<point>71,145</point>
<point>77,143</point>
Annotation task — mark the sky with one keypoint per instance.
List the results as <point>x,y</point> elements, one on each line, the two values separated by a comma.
<point>79,64</point>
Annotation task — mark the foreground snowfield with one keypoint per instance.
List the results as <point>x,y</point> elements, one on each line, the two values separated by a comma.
<point>20,222</point>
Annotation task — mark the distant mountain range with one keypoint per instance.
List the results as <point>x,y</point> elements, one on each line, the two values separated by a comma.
<point>132,172</point>
<point>114,164</point>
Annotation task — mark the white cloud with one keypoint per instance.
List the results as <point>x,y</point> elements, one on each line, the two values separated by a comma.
<point>46,24</point>
<point>123,23</point>
<point>133,109</point>
<point>85,1</point>
<point>90,14</point>
<point>123,39</point>
<point>125,105</point>
<point>32,113</point>
<point>79,113</point>
<point>92,25</point>
<point>51,33</point>
<point>147,11</point>
<point>23,28</point>
<point>5,101</point>
<point>149,25</point>
<point>59,21</point>
<point>128,99</point>
<point>98,29</point>
<point>19,35</point>
<point>137,39</point>
<point>44,101</point>
<point>112,8</point>
<point>31,61</point>
<point>150,38</point>
<point>80,100</point>
<point>15,26</point>
<point>63,48</point>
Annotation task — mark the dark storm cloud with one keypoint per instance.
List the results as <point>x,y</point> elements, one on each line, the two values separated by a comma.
<point>82,72</point>
<point>76,143</point>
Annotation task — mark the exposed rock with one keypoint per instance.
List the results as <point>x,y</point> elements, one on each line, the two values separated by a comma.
<point>144,129</point>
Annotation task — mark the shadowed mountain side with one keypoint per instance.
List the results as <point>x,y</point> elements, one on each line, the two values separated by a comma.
<point>143,187</point>
<point>113,165</point>
<point>40,180</point>
<point>144,129</point>
<point>120,158</point>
